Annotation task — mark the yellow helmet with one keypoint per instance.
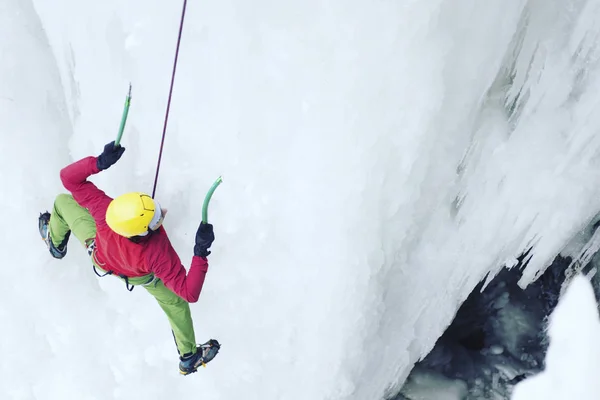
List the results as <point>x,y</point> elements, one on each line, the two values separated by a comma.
<point>133,214</point>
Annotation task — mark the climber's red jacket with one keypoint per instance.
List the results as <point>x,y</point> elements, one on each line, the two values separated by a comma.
<point>154,254</point>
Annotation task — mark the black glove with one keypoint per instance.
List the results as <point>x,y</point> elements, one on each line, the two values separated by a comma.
<point>109,156</point>
<point>204,238</point>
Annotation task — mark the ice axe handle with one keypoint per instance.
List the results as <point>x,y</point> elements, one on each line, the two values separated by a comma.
<point>124,117</point>
<point>208,197</point>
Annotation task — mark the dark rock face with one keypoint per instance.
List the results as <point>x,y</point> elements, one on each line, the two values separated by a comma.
<point>496,339</point>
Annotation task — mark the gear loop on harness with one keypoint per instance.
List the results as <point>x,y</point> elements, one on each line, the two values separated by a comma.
<point>127,285</point>
<point>97,273</point>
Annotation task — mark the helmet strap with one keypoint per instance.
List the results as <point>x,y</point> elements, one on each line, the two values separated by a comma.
<point>140,238</point>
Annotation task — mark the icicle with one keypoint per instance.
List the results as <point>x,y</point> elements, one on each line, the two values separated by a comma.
<point>582,259</point>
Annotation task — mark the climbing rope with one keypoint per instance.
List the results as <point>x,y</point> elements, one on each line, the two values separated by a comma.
<point>164,133</point>
<point>162,142</point>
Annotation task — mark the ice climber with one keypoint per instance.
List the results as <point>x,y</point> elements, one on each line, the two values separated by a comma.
<point>124,237</point>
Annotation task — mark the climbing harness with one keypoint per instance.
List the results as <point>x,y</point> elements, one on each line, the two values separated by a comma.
<point>91,246</point>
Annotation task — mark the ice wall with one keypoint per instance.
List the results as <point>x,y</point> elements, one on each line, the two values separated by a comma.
<point>375,165</point>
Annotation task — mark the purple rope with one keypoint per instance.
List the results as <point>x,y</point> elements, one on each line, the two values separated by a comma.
<point>162,142</point>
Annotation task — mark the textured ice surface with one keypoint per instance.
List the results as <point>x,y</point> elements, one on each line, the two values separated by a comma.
<point>379,160</point>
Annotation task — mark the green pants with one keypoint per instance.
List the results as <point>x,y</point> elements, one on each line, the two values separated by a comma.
<point>68,215</point>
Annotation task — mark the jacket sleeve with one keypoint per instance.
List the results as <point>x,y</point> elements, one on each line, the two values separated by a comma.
<point>166,265</point>
<point>86,194</point>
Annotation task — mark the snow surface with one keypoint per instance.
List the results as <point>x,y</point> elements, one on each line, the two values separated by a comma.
<point>379,160</point>
<point>573,359</point>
